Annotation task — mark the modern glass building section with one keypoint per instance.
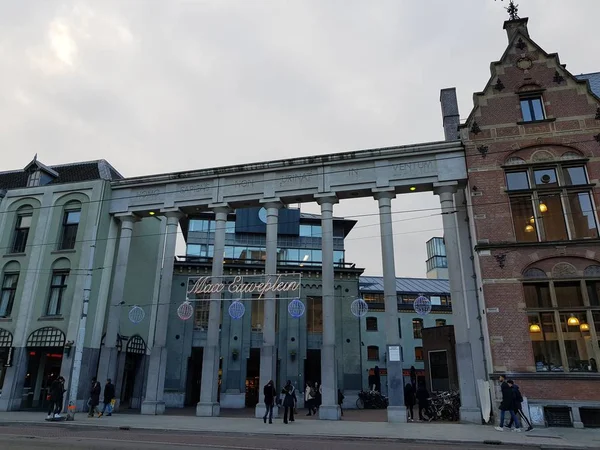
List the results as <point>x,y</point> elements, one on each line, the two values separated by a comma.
<point>437,263</point>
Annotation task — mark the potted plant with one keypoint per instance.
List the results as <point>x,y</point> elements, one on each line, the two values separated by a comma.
<point>234,354</point>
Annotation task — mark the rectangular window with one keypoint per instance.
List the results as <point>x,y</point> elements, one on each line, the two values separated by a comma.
<point>568,294</point>
<point>21,233</point>
<point>523,219</point>
<point>532,109</point>
<point>582,216</point>
<point>373,353</point>
<point>9,290</point>
<point>593,288</point>
<point>553,217</point>
<point>305,230</point>
<point>58,287</point>
<point>517,180</point>
<point>575,176</point>
<point>545,178</point>
<point>418,353</point>
<point>399,328</point>
<point>69,229</point>
<point>201,311</point>
<point>371,323</point>
<point>537,295</point>
<point>417,328</point>
<point>201,225</point>
<point>258,314</point>
<point>440,322</point>
<point>314,315</point>
<point>544,339</point>
<point>230,227</point>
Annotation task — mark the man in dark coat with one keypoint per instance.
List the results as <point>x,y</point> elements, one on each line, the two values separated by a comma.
<point>423,398</point>
<point>94,400</point>
<point>519,406</point>
<point>508,404</point>
<point>57,390</point>
<point>289,401</point>
<point>109,395</point>
<point>409,400</point>
<point>270,394</point>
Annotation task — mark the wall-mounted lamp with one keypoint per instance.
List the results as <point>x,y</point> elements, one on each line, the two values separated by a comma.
<point>67,349</point>
<point>573,321</point>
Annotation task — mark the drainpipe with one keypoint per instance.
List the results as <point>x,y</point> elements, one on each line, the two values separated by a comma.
<point>78,357</point>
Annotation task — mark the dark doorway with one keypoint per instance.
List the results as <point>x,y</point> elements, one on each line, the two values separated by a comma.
<point>252,378</point>
<point>312,367</point>
<point>194,377</point>
<point>438,370</point>
<point>43,367</point>
<point>132,366</point>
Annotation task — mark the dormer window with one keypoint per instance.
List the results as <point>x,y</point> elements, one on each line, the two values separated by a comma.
<point>34,178</point>
<point>532,108</point>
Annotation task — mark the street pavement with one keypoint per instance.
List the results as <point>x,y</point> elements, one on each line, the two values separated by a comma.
<point>19,437</point>
<point>243,428</point>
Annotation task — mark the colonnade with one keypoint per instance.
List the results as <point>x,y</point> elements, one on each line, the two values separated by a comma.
<point>329,410</point>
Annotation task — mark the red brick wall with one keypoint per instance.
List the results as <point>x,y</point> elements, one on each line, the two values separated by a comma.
<point>572,129</point>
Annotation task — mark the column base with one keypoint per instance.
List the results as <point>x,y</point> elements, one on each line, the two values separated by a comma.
<point>153,408</point>
<point>259,411</point>
<point>578,425</point>
<point>330,412</point>
<point>208,410</point>
<point>397,414</point>
<point>470,415</point>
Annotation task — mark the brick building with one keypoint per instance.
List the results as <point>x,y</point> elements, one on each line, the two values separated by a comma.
<point>532,144</point>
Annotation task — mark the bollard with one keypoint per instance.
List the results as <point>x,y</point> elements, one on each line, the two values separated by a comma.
<point>71,412</point>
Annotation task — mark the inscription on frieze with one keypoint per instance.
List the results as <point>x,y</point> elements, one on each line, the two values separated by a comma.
<point>150,192</point>
<point>296,179</point>
<point>194,189</point>
<point>412,169</point>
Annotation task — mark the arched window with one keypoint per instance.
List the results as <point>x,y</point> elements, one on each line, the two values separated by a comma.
<point>70,225</point>
<point>136,345</point>
<point>371,323</point>
<point>6,338</point>
<point>58,287</point>
<point>22,226</point>
<point>10,280</point>
<point>46,337</point>
<point>373,353</point>
<point>534,273</point>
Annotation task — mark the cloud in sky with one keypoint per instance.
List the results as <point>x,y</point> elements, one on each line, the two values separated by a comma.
<point>155,86</point>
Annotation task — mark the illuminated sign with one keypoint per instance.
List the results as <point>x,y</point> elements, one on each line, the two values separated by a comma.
<point>238,285</point>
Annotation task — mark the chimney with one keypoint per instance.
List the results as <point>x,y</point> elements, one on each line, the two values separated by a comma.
<point>515,26</point>
<point>450,116</point>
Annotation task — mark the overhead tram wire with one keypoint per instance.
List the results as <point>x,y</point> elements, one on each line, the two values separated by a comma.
<point>441,158</point>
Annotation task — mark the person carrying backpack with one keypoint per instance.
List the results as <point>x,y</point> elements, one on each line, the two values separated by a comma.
<point>519,406</point>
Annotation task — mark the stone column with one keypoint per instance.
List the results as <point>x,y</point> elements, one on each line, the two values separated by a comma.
<point>396,411</point>
<point>107,367</point>
<point>329,409</point>
<point>469,410</point>
<point>208,406</point>
<point>153,402</point>
<point>267,353</point>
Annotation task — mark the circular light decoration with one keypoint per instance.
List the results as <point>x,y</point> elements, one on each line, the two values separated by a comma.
<point>185,310</point>
<point>236,310</point>
<point>422,305</point>
<point>296,308</point>
<point>136,314</point>
<point>359,308</point>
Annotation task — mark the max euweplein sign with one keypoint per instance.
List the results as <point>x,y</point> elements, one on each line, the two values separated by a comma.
<point>240,285</point>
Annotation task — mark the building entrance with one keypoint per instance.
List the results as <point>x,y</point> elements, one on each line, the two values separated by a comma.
<point>43,367</point>
<point>194,377</point>
<point>253,387</point>
<point>312,367</point>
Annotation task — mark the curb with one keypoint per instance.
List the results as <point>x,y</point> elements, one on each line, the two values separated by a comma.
<point>433,442</point>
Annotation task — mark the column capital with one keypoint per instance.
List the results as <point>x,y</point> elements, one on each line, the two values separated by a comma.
<point>379,193</point>
<point>274,202</point>
<point>173,214</point>
<point>330,197</point>
<point>439,189</point>
<point>220,208</point>
<point>127,218</point>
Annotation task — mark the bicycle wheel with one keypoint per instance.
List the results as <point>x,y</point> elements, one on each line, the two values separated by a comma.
<point>360,404</point>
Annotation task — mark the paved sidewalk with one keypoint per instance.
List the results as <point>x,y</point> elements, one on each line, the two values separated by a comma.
<point>431,432</point>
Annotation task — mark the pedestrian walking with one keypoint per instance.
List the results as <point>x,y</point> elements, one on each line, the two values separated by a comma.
<point>310,398</point>
<point>409,400</point>
<point>289,402</point>
<point>508,404</point>
<point>318,396</point>
<point>94,399</point>
<point>377,378</point>
<point>519,406</point>
<point>109,395</point>
<point>270,394</point>
<point>422,396</point>
<point>340,399</point>
<point>57,391</point>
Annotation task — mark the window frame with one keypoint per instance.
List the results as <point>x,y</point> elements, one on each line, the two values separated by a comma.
<point>529,99</point>
<point>20,231</point>
<point>417,332</point>
<point>68,238</point>
<point>419,349</point>
<point>371,323</point>
<point>568,195</point>
<point>10,291</point>
<point>372,348</point>
<point>61,288</point>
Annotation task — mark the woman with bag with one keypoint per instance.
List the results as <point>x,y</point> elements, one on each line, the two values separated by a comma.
<point>289,401</point>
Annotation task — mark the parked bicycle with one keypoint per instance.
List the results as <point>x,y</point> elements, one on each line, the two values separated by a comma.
<point>444,406</point>
<point>371,400</point>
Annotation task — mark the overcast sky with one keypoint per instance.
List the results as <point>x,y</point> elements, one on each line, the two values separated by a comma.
<point>159,86</point>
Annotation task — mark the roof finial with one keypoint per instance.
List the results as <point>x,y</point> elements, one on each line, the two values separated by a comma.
<point>35,157</point>
<point>512,10</point>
